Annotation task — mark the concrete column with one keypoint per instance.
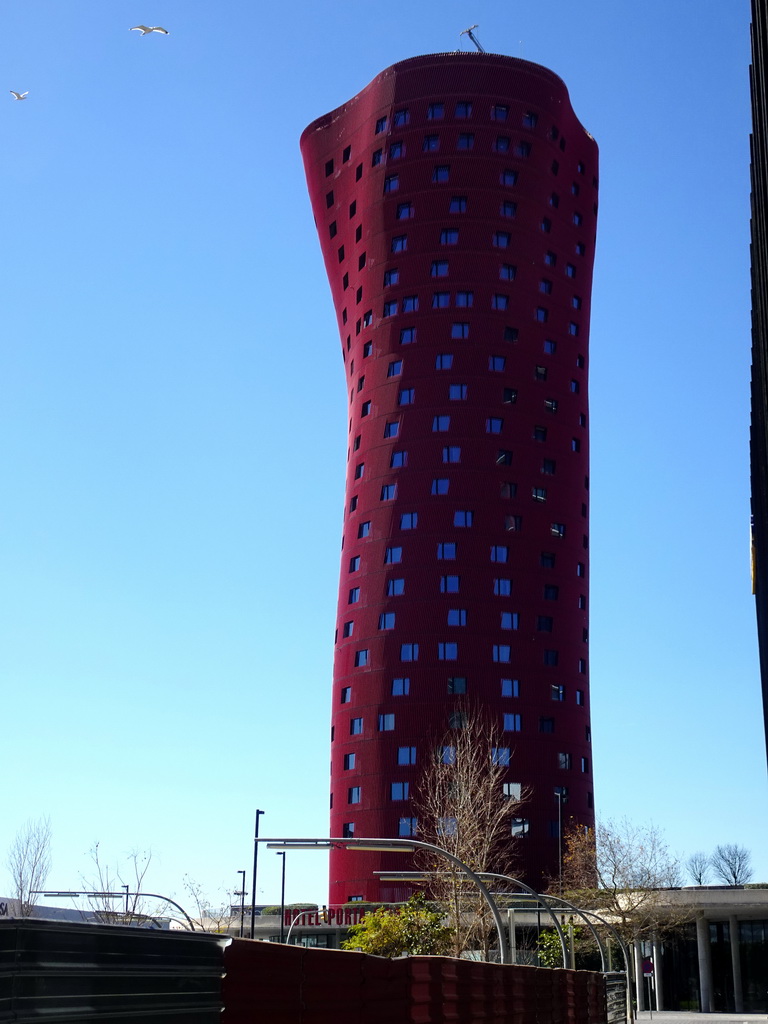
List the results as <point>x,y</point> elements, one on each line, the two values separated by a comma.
<point>705,964</point>
<point>639,979</point>
<point>512,936</point>
<point>658,981</point>
<point>733,934</point>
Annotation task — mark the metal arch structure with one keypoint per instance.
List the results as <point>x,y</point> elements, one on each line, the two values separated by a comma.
<point>407,846</point>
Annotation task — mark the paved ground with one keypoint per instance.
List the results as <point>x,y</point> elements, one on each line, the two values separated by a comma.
<point>666,1017</point>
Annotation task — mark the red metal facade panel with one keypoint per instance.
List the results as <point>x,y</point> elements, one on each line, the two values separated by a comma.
<point>455,200</point>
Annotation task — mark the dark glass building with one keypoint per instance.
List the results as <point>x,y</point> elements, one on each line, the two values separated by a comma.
<point>455,199</point>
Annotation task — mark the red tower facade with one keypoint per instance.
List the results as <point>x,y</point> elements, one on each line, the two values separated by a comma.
<point>455,199</point>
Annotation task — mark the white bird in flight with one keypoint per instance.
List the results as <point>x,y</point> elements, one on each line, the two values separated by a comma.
<point>146,29</point>
<point>19,95</point>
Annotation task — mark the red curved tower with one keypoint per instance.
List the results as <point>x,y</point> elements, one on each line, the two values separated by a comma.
<point>455,199</point>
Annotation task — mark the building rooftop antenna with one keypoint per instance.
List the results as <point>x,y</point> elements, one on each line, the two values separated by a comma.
<point>472,36</point>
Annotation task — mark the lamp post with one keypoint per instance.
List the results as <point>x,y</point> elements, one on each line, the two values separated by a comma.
<point>560,797</point>
<point>255,860</point>
<point>403,846</point>
<point>281,853</point>
<point>241,894</point>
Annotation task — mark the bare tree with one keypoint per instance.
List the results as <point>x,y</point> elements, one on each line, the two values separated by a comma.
<point>732,863</point>
<point>210,917</point>
<point>621,869</point>
<point>699,867</point>
<point>29,862</point>
<point>467,806</point>
<point>129,876</point>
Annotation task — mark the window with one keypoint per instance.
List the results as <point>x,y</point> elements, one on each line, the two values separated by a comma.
<point>395,368</point>
<point>576,302</point>
<point>507,272</point>
<point>367,349</point>
<point>502,586</point>
<point>376,157</point>
<point>452,453</point>
<point>447,826</point>
<point>408,827</point>
<point>585,764</point>
<point>580,698</point>
<point>551,592</point>
<point>401,687</point>
<point>523,149</point>
<point>365,409</point>
<point>440,485</point>
<point>392,428</point>
<point>441,173</point>
<point>573,329</point>
<point>457,392</point>
<point>570,270</point>
<point>348,828</point>
<point>409,652</point>
<point>577,218</point>
<point>508,209</point>
<point>346,691</point>
<point>499,113</point>
<point>551,657</point>
<point>465,141</point>
<point>444,361</point>
<point>458,204</point>
<point>511,334</point>
<point>406,755</point>
<point>354,595</point>
<point>530,119</point>
<point>501,239</point>
<point>510,620</point>
<point>502,653</point>
<point>395,587</point>
<point>399,790</point>
<point>499,553</point>
<point>410,304</point>
<point>393,555</point>
<point>554,200</point>
<point>457,720</point>
<point>539,433</point>
<point>401,117</point>
<point>583,666</point>
<point>449,236</point>
<point>356,727</point>
<point>508,177</point>
<point>435,111</point>
<point>387,620</point>
<point>520,827</point>
<point>550,404</point>
<point>381,125</point>
<point>391,183</point>
<point>557,529</point>
<point>493,425</point>
<point>539,493</point>
<point>447,551</point>
<point>463,517</point>
<point>499,301</point>
<point>399,243</point>
<point>449,585</point>
<point>512,722</point>
<point>388,492</point>
<point>359,470</point>
<point>510,687</point>
<point>409,520</point>
<point>546,225</point>
<point>547,560</point>
<point>354,563</point>
<point>465,300</point>
<point>575,445</point>
<point>328,168</point>
<point>497,363</point>
<point>509,396</point>
<point>362,658</point>
<point>447,755</point>
<point>332,229</point>
<point>349,761</point>
<point>550,347</point>
<point>513,523</point>
<point>447,651</point>
<point>407,335</point>
<point>431,143</point>
<point>502,143</point>
<point>441,300</point>
<point>386,723</point>
<point>511,790</point>
<point>391,277</point>
<point>353,795</point>
<point>542,315</point>
<point>353,503</point>
<point>500,755</point>
<point>439,268</point>
<point>404,211</point>
<point>364,529</point>
<point>463,110</point>
<point>407,396</point>
<point>557,692</point>
<point>503,457</point>
<point>346,154</point>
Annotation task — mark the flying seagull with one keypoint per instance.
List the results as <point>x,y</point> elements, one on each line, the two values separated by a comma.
<point>146,29</point>
<point>19,95</point>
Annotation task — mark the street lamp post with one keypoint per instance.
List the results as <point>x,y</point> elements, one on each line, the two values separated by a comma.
<point>281,853</point>
<point>255,860</point>
<point>241,894</point>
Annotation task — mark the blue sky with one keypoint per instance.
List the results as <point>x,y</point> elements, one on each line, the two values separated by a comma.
<point>173,419</point>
